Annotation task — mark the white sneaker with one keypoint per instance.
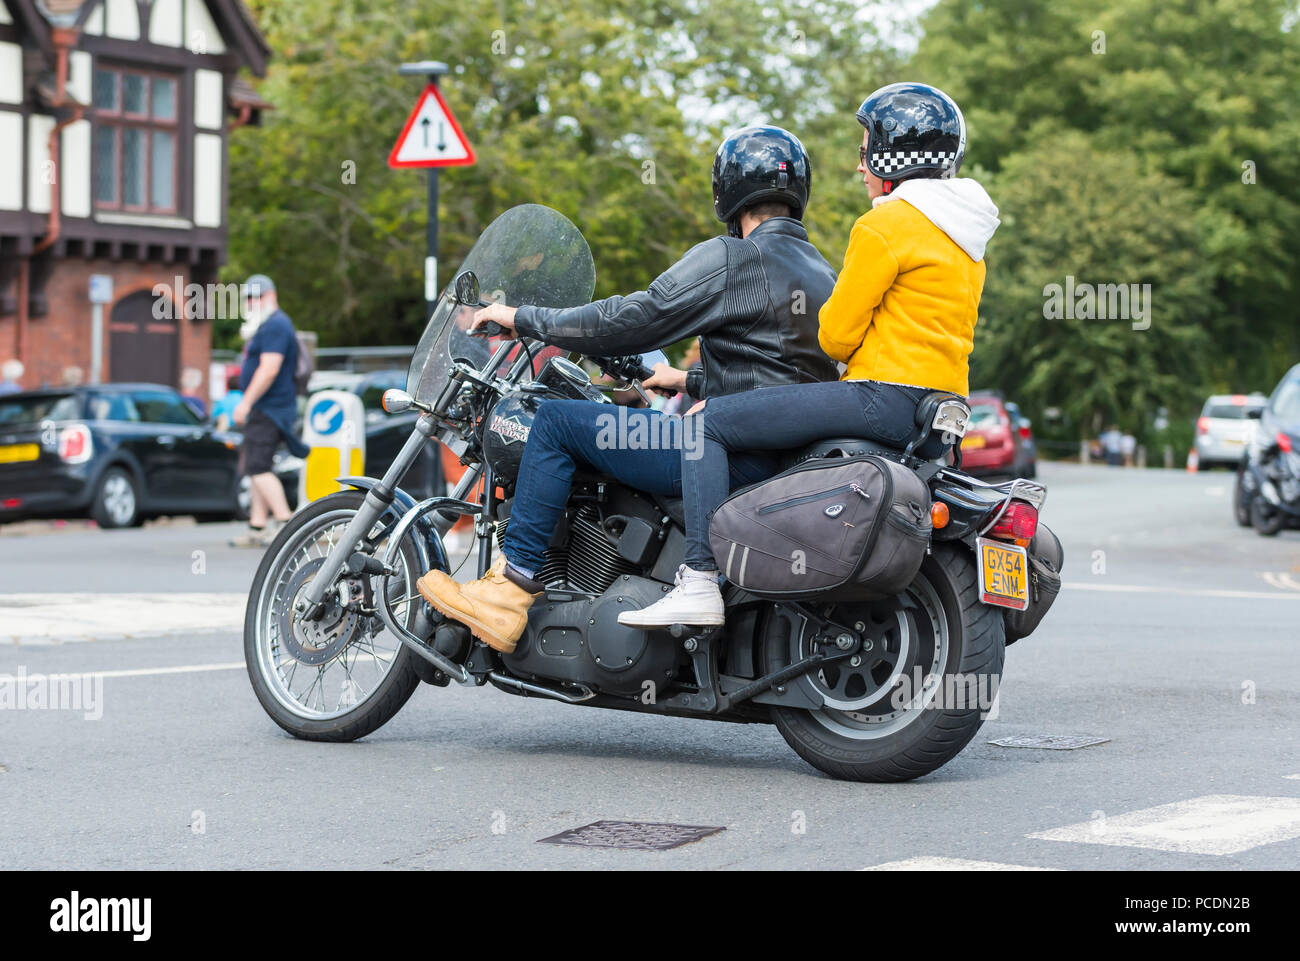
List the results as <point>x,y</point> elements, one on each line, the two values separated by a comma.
<point>696,601</point>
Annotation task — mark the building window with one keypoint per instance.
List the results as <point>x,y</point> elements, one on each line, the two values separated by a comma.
<point>135,120</point>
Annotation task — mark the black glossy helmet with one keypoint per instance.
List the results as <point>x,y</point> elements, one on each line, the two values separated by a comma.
<point>760,164</point>
<point>913,129</point>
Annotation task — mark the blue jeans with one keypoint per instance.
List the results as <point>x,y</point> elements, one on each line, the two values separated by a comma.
<point>778,419</point>
<point>642,448</point>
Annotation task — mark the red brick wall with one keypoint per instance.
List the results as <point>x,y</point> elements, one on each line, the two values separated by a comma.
<point>61,338</point>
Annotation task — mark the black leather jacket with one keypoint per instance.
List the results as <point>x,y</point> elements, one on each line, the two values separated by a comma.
<point>753,302</point>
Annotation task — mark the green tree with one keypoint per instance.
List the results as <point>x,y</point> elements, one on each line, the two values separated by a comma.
<point>1202,92</point>
<point>607,110</point>
<point>1072,210</point>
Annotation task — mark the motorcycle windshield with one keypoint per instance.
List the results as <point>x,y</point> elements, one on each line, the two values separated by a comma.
<point>529,255</point>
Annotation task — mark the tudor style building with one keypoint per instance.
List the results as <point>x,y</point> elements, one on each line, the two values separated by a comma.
<point>114,122</point>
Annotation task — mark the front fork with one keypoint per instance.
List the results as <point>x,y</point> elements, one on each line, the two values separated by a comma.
<point>378,499</point>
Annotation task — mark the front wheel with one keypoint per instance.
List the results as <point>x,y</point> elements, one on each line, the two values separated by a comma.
<point>342,676</point>
<point>918,696</point>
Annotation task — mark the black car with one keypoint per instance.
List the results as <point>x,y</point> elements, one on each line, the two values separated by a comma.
<point>116,452</point>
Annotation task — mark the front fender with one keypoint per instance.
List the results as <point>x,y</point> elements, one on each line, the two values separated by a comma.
<point>428,544</point>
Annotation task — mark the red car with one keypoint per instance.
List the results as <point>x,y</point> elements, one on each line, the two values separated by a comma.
<point>999,439</point>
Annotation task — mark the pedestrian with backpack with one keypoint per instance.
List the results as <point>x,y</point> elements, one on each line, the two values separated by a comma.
<point>269,406</point>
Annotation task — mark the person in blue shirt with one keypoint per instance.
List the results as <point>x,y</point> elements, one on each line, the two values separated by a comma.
<point>269,404</point>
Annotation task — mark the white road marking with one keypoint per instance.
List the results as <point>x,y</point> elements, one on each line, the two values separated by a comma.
<point>1215,824</point>
<point>1292,777</point>
<point>949,864</point>
<point>137,672</point>
<point>55,618</point>
<point>1281,580</point>
<point>1188,592</point>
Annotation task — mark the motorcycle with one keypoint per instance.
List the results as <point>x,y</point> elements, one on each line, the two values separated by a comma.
<point>1267,493</point>
<point>337,637</point>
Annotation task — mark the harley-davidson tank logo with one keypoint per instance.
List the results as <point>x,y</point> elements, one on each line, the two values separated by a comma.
<point>512,431</point>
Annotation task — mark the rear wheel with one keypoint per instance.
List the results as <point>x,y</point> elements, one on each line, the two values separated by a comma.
<point>116,502</point>
<point>917,698</point>
<point>342,676</point>
<point>1265,518</point>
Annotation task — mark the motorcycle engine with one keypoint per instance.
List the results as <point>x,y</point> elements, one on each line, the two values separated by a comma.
<point>583,642</point>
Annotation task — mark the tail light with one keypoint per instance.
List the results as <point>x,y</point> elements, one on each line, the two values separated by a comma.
<point>75,445</point>
<point>1203,425</point>
<point>1019,523</point>
<point>1024,433</point>
<point>1284,443</point>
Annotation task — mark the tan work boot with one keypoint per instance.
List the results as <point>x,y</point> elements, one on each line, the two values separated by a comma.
<point>494,608</point>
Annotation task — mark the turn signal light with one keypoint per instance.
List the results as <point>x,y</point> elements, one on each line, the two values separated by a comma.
<point>939,515</point>
<point>1284,443</point>
<point>1019,522</point>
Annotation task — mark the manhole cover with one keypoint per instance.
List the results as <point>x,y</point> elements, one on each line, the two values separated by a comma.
<point>632,835</point>
<point>1050,742</point>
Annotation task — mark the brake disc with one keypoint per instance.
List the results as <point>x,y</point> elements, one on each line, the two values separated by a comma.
<point>319,641</point>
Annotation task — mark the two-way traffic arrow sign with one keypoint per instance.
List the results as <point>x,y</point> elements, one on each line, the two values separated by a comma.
<point>431,137</point>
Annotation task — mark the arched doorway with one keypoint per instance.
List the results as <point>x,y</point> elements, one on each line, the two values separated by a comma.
<point>142,347</point>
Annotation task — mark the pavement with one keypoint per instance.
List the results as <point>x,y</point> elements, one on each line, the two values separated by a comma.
<point>1173,643</point>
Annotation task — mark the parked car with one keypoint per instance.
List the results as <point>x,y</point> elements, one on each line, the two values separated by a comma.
<point>116,452</point>
<point>1226,427</point>
<point>1267,492</point>
<point>999,439</point>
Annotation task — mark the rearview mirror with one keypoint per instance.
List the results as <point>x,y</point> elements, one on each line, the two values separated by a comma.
<point>652,357</point>
<point>467,288</point>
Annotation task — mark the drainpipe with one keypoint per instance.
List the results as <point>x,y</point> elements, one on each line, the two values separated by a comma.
<point>65,38</point>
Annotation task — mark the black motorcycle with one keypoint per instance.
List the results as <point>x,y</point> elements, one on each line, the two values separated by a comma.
<point>337,638</point>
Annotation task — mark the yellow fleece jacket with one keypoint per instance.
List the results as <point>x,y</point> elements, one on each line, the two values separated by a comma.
<point>905,305</point>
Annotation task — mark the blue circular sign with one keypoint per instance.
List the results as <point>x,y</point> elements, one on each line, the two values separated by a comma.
<point>325,416</point>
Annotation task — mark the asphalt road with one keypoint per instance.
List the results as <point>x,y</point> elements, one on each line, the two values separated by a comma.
<point>1175,638</point>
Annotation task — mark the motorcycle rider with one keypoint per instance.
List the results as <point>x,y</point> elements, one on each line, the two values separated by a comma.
<point>751,297</point>
<point>902,317</point>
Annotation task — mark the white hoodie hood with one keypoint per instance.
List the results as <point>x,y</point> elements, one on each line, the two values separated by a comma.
<point>960,207</point>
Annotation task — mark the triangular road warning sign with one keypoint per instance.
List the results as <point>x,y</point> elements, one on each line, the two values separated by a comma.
<point>431,137</point>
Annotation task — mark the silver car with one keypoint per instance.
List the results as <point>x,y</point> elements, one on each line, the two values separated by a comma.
<point>1226,427</point>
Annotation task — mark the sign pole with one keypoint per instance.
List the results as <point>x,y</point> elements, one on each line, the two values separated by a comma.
<point>432,69</point>
<point>431,256</point>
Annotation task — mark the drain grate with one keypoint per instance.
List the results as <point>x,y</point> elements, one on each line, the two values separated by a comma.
<point>632,835</point>
<point>1051,742</point>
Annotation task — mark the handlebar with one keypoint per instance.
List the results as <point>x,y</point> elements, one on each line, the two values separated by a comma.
<point>628,368</point>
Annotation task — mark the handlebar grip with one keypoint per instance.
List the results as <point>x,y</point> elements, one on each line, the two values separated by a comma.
<point>490,329</point>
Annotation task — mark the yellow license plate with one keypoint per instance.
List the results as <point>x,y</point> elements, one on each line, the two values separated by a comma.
<point>974,441</point>
<point>1004,574</point>
<point>17,453</point>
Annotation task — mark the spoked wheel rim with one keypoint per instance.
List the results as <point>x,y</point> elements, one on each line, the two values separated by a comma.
<point>327,669</point>
<point>118,498</point>
<point>911,637</point>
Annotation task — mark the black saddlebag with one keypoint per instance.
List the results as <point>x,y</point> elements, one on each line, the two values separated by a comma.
<point>1045,559</point>
<point>844,528</point>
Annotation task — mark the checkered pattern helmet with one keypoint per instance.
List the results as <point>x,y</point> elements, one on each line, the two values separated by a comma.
<point>912,128</point>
